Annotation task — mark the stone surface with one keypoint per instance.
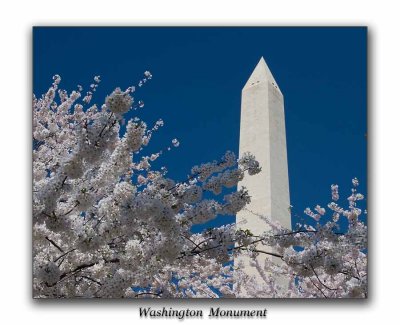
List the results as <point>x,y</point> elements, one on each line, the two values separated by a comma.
<point>262,132</point>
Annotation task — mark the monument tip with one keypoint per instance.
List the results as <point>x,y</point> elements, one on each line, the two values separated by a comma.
<point>261,74</point>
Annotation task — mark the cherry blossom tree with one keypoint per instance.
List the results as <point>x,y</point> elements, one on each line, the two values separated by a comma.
<point>108,225</point>
<point>320,261</point>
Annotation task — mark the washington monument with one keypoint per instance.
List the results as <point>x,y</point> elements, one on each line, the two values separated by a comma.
<point>262,133</point>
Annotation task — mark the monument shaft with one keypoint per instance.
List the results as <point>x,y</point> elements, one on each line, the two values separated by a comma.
<point>262,133</point>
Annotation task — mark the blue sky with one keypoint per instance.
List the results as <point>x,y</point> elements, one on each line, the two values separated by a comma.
<point>198,74</point>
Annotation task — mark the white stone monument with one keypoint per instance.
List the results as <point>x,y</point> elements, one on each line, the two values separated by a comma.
<point>262,133</point>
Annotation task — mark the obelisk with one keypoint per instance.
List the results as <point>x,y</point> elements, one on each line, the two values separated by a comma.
<point>262,133</point>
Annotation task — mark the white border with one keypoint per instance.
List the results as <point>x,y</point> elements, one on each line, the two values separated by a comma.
<point>17,18</point>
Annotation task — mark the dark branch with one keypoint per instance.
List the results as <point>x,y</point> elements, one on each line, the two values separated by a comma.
<point>55,245</point>
<point>268,253</point>
<point>105,125</point>
<point>72,209</point>
<point>148,293</point>
<point>64,254</point>
<point>91,279</point>
<point>320,280</point>
<point>319,289</point>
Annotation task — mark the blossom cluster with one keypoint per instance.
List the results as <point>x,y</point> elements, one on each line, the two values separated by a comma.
<point>327,260</point>
<point>105,222</point>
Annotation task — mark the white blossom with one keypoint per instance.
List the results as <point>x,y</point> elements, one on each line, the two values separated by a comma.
<point>119,102</point>
<point>175,142</point>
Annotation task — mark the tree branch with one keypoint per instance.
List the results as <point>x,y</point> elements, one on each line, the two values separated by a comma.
<point>91,279</point>
<point>264,252</point>
<point>55,245</point>
<point>148,293</point>
<point>64,254</point>
<point>319,289</point>
<point>320,280</point>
